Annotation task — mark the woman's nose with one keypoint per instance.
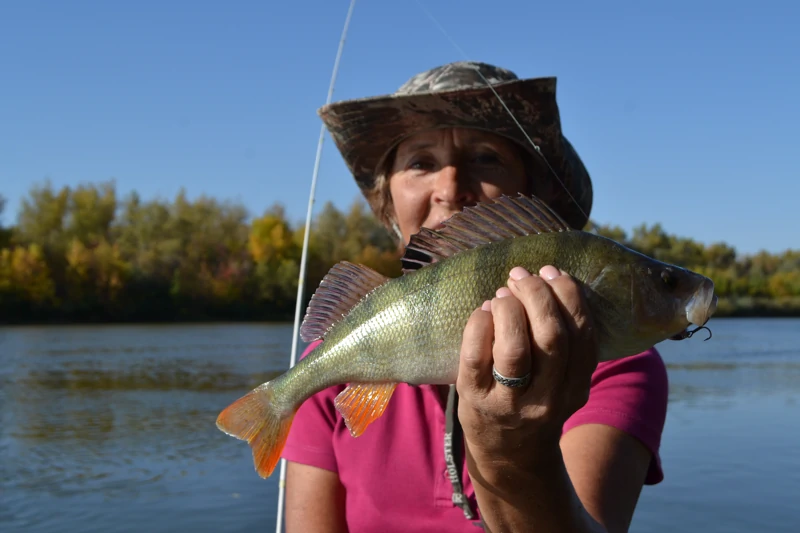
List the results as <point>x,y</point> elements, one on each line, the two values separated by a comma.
<point>452,188</point>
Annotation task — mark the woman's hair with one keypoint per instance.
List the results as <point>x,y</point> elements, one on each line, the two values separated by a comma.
<point>380,195</point>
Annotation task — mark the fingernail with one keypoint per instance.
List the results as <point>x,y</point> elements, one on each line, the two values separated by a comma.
<point>549,272</point>
<point>487,306</point>
<point>503,292</point>
<point>517,273</point>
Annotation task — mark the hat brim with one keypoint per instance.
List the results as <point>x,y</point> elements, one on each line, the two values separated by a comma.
<point>365,130</point>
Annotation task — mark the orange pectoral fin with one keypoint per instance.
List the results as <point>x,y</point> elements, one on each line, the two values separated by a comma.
<point>360,404</point>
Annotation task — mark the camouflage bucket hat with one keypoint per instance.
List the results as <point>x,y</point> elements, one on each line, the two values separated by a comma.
<point>366,130</point>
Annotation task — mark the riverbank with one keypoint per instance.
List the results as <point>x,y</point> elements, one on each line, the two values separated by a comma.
<point>83,256</point>
<point>727,308</point>
<point>758,307</point>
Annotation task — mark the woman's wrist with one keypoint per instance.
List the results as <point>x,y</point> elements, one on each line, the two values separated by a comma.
<point>513,496</point>
<point>526,464</point>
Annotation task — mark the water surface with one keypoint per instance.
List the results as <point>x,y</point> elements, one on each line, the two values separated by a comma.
<point>111,428</point>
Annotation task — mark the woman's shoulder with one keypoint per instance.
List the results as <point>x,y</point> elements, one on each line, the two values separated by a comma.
<point>630,394</point>
<point>646,365</point>
<point>635,386</point>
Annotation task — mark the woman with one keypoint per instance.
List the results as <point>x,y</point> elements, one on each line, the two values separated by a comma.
<point>519,447</point>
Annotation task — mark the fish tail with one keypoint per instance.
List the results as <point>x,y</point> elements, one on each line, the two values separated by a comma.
<point>256,418</point>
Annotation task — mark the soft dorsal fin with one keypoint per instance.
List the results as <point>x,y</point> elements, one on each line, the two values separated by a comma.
<point>342,288</point>
<point>502,218</point>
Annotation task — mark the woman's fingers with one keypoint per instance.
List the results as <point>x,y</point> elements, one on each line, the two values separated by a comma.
<point>512,348</point>
<point>582,360</point>
<point>476,353</point>
<point>538,326</point>
<point>548,329</point>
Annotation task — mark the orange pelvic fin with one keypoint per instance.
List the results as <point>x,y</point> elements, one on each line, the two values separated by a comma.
<point>360,404</point>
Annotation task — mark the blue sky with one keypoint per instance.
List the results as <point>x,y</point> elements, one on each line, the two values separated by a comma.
<point>686,113</point>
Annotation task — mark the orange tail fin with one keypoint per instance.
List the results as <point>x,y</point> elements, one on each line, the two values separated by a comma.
<point>254,418</point>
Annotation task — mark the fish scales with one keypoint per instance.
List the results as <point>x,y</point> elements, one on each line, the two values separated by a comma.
<point>410,331</point>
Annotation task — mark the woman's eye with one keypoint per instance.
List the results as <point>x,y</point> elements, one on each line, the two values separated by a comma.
<point>419,165</point>
<point>487,159</point>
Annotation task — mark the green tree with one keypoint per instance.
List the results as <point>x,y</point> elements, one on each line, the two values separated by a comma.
<point>612,232</point>
<point>276,253</point>
<point>81,254</point>
<point>5,233</point>
<point>25,282</point>
<point>91,211</point>
<point>42,217</point>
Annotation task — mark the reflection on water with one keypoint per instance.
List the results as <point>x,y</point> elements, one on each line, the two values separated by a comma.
<point>729,447</point>
<point>179,374</point>
<point>703,381</point>
<point>744,358</point>
<point>112,429</point>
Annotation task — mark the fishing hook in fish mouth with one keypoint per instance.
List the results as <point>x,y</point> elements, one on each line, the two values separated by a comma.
<point>688,334</point>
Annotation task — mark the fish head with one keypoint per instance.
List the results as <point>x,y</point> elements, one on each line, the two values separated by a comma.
<point>667,299</point>
<point>638,301</point>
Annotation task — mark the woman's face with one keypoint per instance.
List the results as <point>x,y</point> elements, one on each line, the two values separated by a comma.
<point>437,173</point>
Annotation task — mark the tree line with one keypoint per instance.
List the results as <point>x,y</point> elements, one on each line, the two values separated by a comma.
<point>82,254</point>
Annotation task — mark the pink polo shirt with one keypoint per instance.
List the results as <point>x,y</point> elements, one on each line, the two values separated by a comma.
<point>395,474</point>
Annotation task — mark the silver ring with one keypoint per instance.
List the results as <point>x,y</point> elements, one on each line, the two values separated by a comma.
<point>511,382</point>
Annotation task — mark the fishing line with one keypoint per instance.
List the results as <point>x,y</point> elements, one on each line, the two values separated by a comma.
<point>282,481</point>
<point>502,102</point>
<point>304,255</point>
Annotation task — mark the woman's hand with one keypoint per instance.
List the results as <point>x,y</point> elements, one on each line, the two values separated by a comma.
<point>538,325</point>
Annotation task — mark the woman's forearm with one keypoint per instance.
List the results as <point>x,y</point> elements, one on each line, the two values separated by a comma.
<point>542,499</point>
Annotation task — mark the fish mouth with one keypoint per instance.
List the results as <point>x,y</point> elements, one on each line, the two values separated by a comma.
<point>702,304</point>
<point>699,309</point>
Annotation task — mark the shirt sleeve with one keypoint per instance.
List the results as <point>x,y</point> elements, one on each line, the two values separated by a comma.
<point>310,440</point>
<point>630,394</point>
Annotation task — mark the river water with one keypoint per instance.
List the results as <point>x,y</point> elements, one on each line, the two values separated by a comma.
<point>111,429</point>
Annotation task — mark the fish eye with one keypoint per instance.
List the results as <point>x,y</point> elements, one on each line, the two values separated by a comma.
<point>669,279</point>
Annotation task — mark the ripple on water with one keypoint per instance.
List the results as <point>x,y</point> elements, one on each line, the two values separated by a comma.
<point>112,429</point>
<point>89,442</point>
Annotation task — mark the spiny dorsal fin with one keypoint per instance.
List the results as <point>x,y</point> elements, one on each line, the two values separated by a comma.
<point>340,290</point>
<point>502,218</point>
